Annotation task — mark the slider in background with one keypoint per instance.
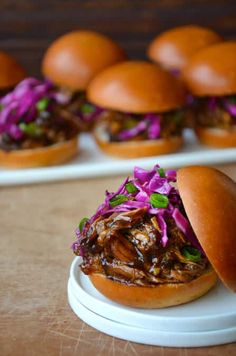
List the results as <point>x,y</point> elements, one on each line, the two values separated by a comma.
<point>143,110</point>
<point>210,76</point>
<point>72,61</point>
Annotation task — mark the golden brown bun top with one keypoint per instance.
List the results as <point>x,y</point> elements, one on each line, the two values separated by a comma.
<point>173,48</point>
<point>75,58</point>
<point>213,70</point>
<point>136,86</point>
<point>209,198</point>
<point>11,72</point>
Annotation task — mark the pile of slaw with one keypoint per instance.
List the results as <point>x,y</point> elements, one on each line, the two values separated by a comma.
<point>150,189</point>
<point>23,105</point>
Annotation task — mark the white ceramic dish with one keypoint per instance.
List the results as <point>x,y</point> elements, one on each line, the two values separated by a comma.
<point>216,310</point>
<point>149,336</point>
<point>92,163</point>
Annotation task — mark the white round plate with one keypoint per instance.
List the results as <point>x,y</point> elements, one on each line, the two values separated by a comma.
<point>149,336</point>
<point>214,311</point>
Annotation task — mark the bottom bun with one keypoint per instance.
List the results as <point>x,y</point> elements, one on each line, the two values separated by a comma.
<point>39,157</point>
<point>135,149</point>
<point>217,137</point>
<point>161,296</point>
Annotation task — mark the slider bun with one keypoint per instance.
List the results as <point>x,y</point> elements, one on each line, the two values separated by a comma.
<point>135,149</point>
<point>38,157</point>
<point>72,60</point>
<point>209,198</point>
<point>173,48</point>
<point>11,72</point>
<point>137,87</point>
<point>161,296</point>
<point>216,137</point>
<point>213,70</point>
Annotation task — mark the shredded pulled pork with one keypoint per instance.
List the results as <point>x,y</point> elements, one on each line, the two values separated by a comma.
<point>217,117</point>
<point>126,247</point>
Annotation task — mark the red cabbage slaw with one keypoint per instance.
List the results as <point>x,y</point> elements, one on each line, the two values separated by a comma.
<point>228,103</point>
<point>150,123</point>
<point>22,105</point>
<point>147,185</point>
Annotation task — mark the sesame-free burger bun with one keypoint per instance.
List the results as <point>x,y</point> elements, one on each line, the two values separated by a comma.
<point>209,198</point>
<point>212,71</point>
<point>137,87</point>
<point>173,48</point>
<point>72,60</point>
<point>161,296</point>
<point>11,72</point>
<point>39,157</point>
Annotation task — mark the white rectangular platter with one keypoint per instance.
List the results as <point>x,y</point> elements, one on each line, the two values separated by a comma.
<point>92,163</point>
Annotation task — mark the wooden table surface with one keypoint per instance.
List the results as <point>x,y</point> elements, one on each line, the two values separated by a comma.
<point>37,224</point>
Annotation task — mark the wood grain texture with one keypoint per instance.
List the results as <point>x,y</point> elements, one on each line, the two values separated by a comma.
<point>27,27</point>
<point>37,226</point>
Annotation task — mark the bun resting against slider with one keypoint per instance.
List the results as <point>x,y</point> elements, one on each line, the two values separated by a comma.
<point>72,60</point>
<point>142,110</point>
<point>140,249</point>
<point>34,130</point>
<point>213,84</point>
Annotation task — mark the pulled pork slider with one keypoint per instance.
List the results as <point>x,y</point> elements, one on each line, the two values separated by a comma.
<point>172,49</point>
<point>142,110</point>
<point>33,130</point>
<point>11,73</point>
<point>211,78</point>
<point>72,60</point>
<point>139,249</point>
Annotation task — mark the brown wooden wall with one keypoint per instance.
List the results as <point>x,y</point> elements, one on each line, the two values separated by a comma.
<point>27,27</point>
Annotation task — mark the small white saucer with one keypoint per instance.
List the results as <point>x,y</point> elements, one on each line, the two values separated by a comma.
<point>214,311</point>
<point>149,336</point>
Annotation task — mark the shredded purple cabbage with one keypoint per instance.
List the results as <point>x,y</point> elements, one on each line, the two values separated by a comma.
<point>227,104</point>
<point>20,105</point>
<point>147,182</point>
<point>150,123</point>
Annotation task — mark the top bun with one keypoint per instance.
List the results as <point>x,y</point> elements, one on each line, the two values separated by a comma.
<point>11,72</point>
<point>136,86</point>
<point>75,58</point>
<point>213,70</point>
<point>173,48</point>
<point>209,198</point>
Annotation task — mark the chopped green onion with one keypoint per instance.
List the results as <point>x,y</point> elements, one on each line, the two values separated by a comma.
<point>82,223</point>
<point>31,129</point>
<point>87,108</point>
<point>161,172</point>
<point>42,104</point>
<point>178,116</point>
<point>117,200</point>
<point>130,187</point>
<point>191,253</point>
<point>1,106</point>
<point>232,99</point>
<point>159,200</point>
<point>130,122</point>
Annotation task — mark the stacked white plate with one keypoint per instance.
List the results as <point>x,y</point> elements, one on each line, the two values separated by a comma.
<point>209,320</point>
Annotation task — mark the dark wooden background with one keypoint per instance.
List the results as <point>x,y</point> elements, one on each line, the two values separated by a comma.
<point>27,27</point>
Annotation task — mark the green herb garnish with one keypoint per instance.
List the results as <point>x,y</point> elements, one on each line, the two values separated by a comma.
<point>159,200</point>
<point>31,129</point>
<point>42,104</point>
<point>82,223</point>
<point>117,200</point>
<point>130,187</point>
<point>191,253</point>
<point>87,108</point>
<point>161,172</point>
